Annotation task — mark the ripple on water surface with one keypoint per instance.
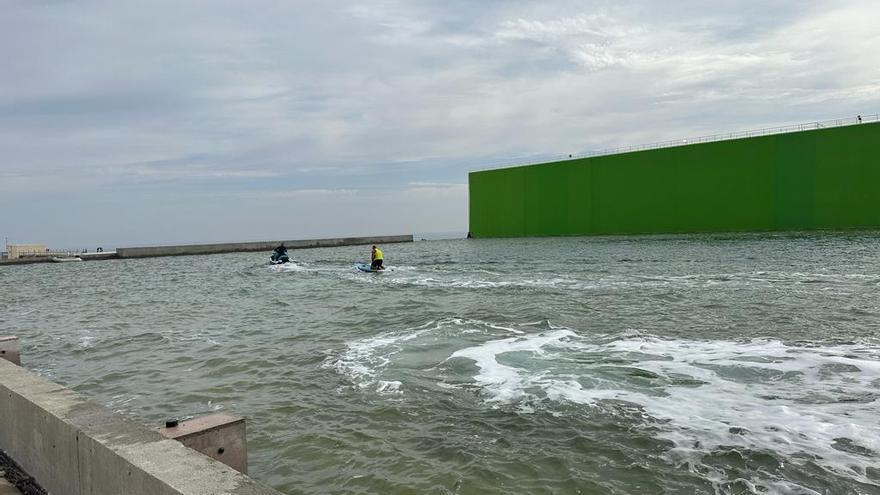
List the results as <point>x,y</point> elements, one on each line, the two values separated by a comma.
<point>693,364</point>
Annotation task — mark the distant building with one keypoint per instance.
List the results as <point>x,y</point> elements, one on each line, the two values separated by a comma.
<point>15,251</point>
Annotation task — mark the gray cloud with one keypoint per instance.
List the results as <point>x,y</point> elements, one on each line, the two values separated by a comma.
<point>237,108</point>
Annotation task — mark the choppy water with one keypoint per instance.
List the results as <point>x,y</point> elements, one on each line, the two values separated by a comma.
<point>696,364</point>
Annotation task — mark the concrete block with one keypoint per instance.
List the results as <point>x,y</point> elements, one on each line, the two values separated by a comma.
<point>104,255</point>
<point>74,446</point>
<point>9,349</point>
<point>220,436</point>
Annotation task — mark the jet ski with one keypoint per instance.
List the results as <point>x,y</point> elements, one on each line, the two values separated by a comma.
<point>365,267</point>
<point>279,256</point>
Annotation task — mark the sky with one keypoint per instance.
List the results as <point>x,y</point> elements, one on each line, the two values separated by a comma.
<point>181,121</point>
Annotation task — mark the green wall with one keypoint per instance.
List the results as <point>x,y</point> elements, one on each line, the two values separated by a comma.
<point>820,179</point>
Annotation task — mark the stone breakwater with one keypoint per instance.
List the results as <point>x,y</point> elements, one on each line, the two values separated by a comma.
<point>218,248</point>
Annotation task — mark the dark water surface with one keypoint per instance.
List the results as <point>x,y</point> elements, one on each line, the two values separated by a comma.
<point>688,364</point>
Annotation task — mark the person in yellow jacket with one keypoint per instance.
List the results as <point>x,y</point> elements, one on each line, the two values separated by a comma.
<point>378,259</point>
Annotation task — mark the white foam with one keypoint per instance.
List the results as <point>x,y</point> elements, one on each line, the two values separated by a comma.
<point>87,340</point>
<point>469,283</point>
<point>761,395</point>
<point>478,279</point>
<point>368,362</point>
<point>506,382</point>
<point>288,267</point>
<point>796,402</point>
<point>389,387</point>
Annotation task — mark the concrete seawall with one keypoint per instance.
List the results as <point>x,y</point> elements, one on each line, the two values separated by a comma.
<point>72,445</point>
<point>26,261</point>
<point>229,247</point>
<point>235,247</point>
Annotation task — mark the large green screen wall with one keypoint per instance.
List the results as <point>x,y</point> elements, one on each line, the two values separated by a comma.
<point>820,179</point>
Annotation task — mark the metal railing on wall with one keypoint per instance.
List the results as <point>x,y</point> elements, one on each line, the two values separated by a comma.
<point>767,131</point>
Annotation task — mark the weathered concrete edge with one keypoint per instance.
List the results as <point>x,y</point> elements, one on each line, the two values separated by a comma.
<point>235,247</point>
<point>72,445</point>
<point>26,261</point>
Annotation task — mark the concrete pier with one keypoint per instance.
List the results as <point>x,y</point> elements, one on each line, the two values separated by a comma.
<point>94,256</point>
<point>74,446</point>
<point>227,247</point>
<point>237,247</point>
<point>26,261</point>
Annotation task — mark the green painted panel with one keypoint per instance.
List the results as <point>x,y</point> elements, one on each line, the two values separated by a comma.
<point>497,203</point>
<point>848,178</point>
<point>629,196</point>
<point>579,204</point>
<point>795,190</point>
<point>544,200</point>
<point>820,179</point>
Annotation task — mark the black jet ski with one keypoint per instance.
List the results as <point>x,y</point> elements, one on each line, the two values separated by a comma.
<point>279,256</point>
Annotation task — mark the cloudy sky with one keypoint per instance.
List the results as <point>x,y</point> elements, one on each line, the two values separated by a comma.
<point>175,121</point>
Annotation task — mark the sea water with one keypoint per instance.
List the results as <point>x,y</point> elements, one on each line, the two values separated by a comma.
<point>717,364</point>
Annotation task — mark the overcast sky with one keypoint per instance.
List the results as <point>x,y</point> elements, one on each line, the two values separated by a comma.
<point>129,122</point>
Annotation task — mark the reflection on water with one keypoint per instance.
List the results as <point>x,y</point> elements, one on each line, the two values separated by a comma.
<point>684,364</point>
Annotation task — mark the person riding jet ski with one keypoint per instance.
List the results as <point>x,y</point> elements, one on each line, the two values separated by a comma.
<point>377,259</point>
<point>279,255</point>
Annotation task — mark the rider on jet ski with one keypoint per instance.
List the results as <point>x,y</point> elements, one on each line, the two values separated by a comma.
<point>279,255</point>
<point>378,259</point>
